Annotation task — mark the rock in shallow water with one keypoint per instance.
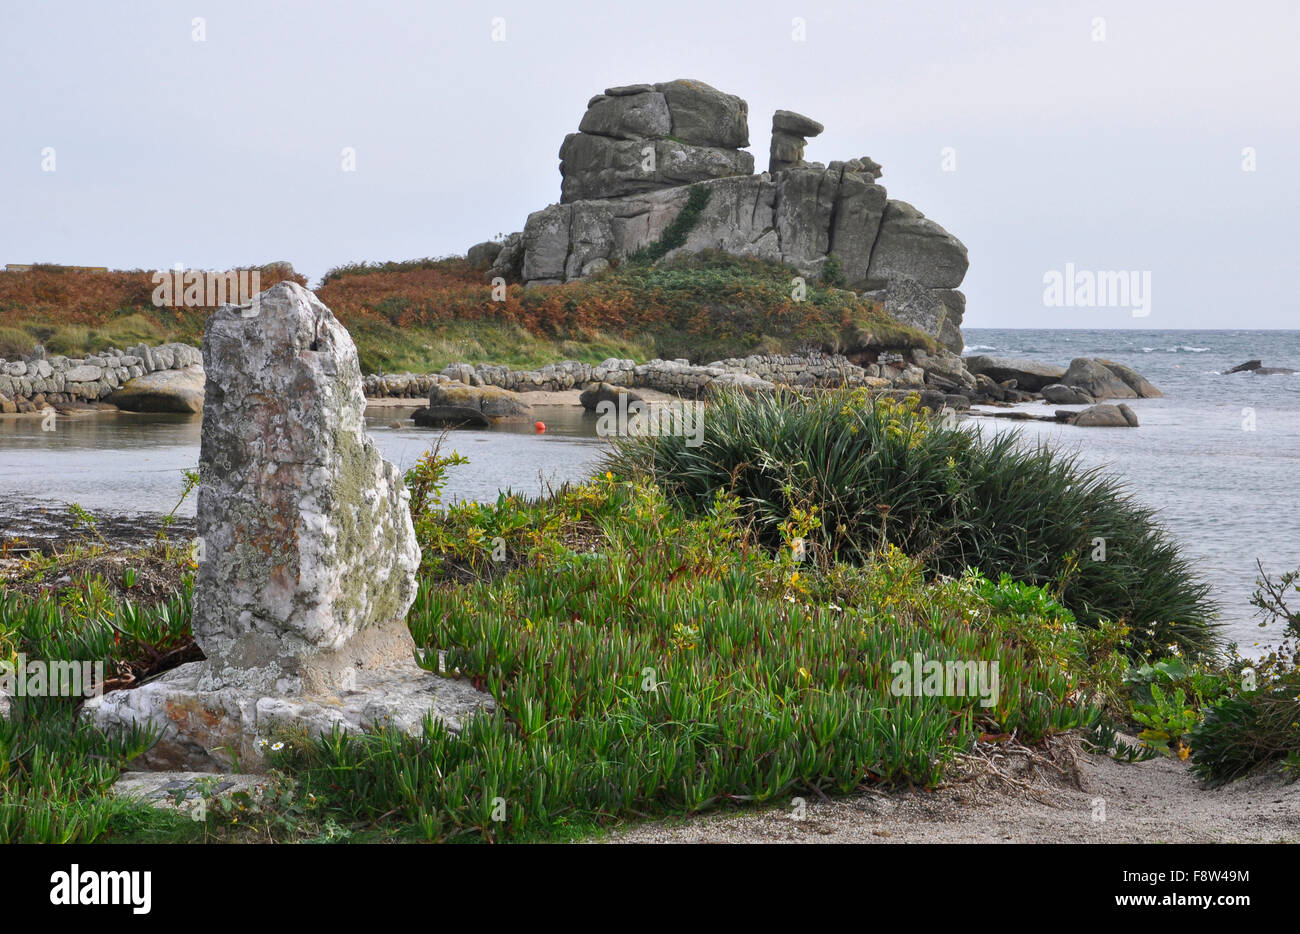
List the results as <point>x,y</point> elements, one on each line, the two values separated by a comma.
<point>1102,416</point>
<point>456,404</point>
<point>163,391</point>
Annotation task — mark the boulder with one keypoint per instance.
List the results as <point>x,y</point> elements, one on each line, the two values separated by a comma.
<point>805,202</point>
<point>937,312</point>
<point>790,132</point>
<point>910,246</point>
<point>945,369</point>
<point>704,116</point>
<point>1059,394</point>
<point>307,557</point>
<point>628,116</point>
<point>509,262</point>
<point>483,255</point>
<point>1102,416</point>
<point>859,209</point>
<point>1097,380</point>
<point>787,121</point>
<point>455,404</point>
<point>1029,375</point>
<point>84,373</point>
<point>596,167</point>
<point>1133,379</point>
<point>600,392</point>
<point>163,391</point>
<point>742,383</point>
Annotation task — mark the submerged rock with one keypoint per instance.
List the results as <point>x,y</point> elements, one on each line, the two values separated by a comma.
<point>1102,416</point>
<point>1257,367</point>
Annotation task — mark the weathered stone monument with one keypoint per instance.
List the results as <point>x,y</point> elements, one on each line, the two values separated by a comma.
<point>307,555</point>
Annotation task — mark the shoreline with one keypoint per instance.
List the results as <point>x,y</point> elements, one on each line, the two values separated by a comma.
<point>1018,798</point>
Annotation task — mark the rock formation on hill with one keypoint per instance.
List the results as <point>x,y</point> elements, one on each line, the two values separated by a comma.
<point>639,151</point>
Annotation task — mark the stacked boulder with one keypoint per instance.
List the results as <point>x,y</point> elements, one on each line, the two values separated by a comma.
<point>628,174</point>
<point>644,137</point>
<point>790,134</point>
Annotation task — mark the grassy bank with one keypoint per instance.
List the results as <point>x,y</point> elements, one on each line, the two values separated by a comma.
<point>421,315</point>
<point>651,655</point>
<point>645,661</point>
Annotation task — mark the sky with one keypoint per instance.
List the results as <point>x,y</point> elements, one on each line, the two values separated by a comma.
<point>1157,140</point>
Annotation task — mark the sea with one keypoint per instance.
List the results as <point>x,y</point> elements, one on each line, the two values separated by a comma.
<point>1218,457</point>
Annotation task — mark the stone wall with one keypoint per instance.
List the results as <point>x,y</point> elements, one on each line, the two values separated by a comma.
<point>31,383</point>
<point>676,377</point>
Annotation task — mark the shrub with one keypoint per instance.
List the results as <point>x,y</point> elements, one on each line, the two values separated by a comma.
<point>1260,723</point>
<point>882,474</point>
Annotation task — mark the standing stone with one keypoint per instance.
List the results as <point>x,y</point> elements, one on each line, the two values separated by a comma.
<point>308,555</point>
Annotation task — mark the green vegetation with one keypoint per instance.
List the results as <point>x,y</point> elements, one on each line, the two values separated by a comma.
<point>645,662</point>
<point>421,315</point>
<point>700,630</point>
<point>675,233</point>
<point>1257,723</point>
<point>879,475</point>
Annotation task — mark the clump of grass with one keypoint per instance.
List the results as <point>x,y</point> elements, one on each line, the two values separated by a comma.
<point>880,474</point>
<point>56,776</point>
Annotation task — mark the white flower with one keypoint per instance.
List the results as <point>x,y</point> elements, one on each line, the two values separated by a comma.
<point>277,747</point>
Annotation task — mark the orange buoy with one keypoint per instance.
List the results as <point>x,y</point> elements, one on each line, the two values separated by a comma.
<point>540,426</point>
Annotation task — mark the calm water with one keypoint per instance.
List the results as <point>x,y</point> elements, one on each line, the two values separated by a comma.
<point>1228,495</point>
<point>128,465</point>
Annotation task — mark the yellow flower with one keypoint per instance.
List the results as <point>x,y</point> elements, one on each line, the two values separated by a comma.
<point>805,673</point>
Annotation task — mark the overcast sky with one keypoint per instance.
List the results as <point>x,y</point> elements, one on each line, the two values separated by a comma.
<point>1119,154</point>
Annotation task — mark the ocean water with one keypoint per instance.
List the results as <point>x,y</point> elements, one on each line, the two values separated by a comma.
<point>1218,457</point>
